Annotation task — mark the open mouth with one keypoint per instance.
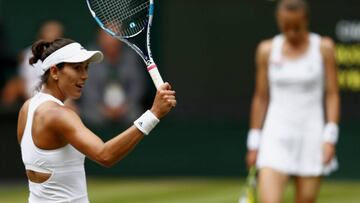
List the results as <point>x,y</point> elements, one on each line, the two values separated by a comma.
<point>79,85</point>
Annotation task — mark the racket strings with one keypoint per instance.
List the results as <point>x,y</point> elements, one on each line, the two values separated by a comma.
<point>129,10</point>
<point>123,17</point>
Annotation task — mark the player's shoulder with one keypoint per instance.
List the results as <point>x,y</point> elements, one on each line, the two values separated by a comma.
<point>327,46</point>
<point>24,108</point>
<point>53,113</point>
<point>327,43</point>
<point>264,47</point>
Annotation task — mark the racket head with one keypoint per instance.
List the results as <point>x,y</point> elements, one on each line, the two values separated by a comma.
<point>121,18</point>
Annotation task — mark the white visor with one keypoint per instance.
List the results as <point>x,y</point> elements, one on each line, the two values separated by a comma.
<point>71,53</point>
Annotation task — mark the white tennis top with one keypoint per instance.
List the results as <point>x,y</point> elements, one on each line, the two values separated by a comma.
<point>296,89</point>
<point>67,182</point>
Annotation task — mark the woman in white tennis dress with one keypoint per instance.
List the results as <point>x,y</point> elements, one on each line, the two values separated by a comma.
<point>292,132</point>
<point>54,141</point>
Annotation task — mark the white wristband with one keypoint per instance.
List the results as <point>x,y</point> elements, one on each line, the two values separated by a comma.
<point>331,133</point>
<point>146,122</point>
<point>253,139</point>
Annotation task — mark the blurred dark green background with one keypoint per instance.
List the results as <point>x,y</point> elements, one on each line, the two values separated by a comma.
<point>206,50</point>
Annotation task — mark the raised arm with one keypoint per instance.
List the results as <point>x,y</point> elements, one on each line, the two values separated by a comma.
<point>68,124</point>
<point>259,102</point>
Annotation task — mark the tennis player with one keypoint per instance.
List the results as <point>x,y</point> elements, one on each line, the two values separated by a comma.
<point>295,108</point>
<point>54,141</point>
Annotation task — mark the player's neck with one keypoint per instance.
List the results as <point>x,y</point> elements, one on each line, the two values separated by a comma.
<point>301,42</point>
<point>54,91</point>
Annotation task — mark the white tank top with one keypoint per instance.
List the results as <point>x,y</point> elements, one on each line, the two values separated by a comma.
<point>296,90</point>
<point>67,182</point>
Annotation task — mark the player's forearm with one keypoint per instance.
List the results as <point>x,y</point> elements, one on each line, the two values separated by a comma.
<point>118,147</point>
<point>332,107</point>
<point>258,111</point>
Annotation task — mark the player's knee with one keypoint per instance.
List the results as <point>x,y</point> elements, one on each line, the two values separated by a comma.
<point>306,198</point>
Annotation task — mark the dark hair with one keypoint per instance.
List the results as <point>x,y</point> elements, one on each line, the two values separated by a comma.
<point>42,49</point>
<point>294,5</point>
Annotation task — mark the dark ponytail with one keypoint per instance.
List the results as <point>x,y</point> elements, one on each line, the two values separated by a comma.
<point>38,49</point>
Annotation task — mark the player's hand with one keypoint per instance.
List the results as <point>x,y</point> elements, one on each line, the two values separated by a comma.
<point>329,152</point>
<point>251,157</point>
<point>164,101</point>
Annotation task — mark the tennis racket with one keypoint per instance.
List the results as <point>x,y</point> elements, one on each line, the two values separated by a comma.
<point>248,194</point>
<point>125,20</point>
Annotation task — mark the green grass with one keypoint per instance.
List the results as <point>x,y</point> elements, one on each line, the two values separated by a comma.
<point>182,190</point>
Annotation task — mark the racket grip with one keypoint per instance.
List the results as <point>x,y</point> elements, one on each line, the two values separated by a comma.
<point>155,75</point>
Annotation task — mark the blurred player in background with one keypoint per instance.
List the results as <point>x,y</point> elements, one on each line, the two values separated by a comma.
<point>116,87</point>
<point>295,108</point>
<point>24,84</point>
<point>49,31</point>
<point>53,139</point>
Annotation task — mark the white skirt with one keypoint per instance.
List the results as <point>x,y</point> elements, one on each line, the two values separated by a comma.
<point>35,199</point>
<point>294,152</point>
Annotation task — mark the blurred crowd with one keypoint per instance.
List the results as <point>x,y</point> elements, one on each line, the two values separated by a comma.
<point>114,93</point>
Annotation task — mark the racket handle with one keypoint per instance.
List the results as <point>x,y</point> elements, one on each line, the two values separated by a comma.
<point>155,75</point>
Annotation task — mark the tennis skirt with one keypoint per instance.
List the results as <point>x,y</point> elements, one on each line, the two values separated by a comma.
<point>35,199</point>
<point>293,152</point>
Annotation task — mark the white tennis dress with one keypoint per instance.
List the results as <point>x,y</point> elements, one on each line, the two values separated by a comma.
<point>67,183</point>
<point>292,133</point>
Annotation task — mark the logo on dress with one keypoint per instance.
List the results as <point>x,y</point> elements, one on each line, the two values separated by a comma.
<point>277,63</point>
